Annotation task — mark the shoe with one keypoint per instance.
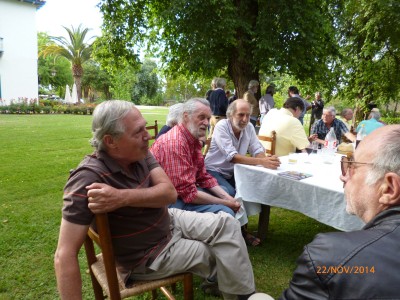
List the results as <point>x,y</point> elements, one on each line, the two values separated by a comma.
<point>211,288</point>
<point>250,239</point>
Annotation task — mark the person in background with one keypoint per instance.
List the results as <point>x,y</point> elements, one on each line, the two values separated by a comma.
<point>316,108</point>
<point>121,178</point>
<point>361,264</point>
<point>233,138</point>
<point>372,123</point>
<point>218,104</point>
<point>228,95</point>
<point>328,120</point>
<point>346,116</point>
<point>179,154</point>
<point>293,91</point>
<point>249,96</point>
<point>174,116</point>
<point>267,102</point>
<point>233,97</point>
<point>213,87</point>
<point>290,134</point>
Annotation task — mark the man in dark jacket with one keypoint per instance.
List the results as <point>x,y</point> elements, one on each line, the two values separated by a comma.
<point>361,264</point>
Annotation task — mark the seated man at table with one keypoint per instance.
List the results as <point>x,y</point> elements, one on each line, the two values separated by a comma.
<point>372,123</point>
<point>232,139</point>
<point>362,264</point>
<point>123,179</point>
<point>179,154</point>
<point>322,127</point>
<point>290,134</point>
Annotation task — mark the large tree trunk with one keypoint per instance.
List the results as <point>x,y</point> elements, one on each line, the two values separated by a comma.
<point>241,66</point>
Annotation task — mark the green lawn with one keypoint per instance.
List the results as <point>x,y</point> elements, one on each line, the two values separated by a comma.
<point>36,154</point>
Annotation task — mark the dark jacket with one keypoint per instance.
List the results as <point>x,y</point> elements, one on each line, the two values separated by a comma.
<point>218,102</point>
<point>362,264</point>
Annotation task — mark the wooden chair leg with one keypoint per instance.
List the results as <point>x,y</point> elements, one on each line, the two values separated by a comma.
<point>263,221</point>
<point>188,287</point>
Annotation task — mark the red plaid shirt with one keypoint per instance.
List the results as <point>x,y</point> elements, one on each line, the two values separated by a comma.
<point>179,154</point>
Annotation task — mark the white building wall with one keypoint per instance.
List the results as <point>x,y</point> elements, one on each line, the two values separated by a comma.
<point>18,64</point>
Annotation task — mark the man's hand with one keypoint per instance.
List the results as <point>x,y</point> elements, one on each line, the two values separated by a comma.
<point>234,205</point>
<point>103,198</point>
<point>270,162</point>
<point>313,137</point>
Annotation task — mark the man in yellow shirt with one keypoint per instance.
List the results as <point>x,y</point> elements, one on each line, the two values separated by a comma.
<point>290,133</point>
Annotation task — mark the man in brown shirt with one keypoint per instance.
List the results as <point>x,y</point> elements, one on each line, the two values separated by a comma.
<point>124,180</point>
<point>249,96</point>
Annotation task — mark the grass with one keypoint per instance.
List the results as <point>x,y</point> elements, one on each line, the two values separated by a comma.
<point>36,154</point>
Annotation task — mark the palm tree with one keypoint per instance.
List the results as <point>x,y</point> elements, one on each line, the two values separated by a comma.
<point>75,50</point>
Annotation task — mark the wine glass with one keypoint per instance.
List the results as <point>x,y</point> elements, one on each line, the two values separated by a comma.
<point>309,150</point>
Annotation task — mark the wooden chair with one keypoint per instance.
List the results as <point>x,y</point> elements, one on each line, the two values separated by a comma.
<point>206,146</point>
<point>154,128</point>
<point>104,275</point>
<point>263,218</point>
<point>271,139</point>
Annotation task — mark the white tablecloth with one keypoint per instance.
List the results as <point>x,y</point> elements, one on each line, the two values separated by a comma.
<point>320,196</point>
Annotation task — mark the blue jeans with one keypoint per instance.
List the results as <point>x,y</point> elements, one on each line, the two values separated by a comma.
<point>227,184</point>
<point>201,208</point>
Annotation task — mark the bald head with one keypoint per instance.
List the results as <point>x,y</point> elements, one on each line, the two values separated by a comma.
<point>238,114</point>
<point>382,148</point>
<point>235,105</point>
<point>372,181</point>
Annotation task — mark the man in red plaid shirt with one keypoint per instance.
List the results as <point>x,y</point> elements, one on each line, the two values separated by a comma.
<point>179,154</point>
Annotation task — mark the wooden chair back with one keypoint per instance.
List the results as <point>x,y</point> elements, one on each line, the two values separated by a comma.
<point>104,274</point>
<point>206,146</point>
<point>271,139</point>
<point>153,130</point>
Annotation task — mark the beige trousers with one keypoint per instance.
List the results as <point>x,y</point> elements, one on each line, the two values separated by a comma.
<point>208,245</point>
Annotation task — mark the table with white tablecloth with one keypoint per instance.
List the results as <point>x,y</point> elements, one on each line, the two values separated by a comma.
<point>320,196</point>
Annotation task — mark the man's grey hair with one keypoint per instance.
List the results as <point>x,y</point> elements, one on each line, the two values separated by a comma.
<point>331,109</point>
<point>220,83</point>
<point>190,106</point>
<point>107,120</point>
<point>388,158</point>
<point>232,108</point>
<point>174,116</point>
<point>253,83</point>
<point>375,115</point>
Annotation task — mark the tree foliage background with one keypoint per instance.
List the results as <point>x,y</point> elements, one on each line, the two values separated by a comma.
<point>345,48</point>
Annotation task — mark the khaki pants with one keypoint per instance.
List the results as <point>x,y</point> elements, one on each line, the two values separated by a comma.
<point>207,245</point>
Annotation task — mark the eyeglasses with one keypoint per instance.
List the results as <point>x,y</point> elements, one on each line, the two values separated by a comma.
<point>347,163</point>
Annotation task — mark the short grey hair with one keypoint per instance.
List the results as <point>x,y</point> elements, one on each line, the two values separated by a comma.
<point>107,120</point>
<point>190,106</point>
<point>331,109</point>
<point>253,83</point>
<point>375,115</point>
<point>233,106</point>
<point>388,159</point>
<point>174,115</point>
<point>220,83</point>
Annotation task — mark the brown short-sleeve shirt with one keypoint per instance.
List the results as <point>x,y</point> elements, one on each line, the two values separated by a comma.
<point>138,234</point>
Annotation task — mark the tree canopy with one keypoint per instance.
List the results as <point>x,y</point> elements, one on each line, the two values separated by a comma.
<point>208,37</point>
<point>349,49</point>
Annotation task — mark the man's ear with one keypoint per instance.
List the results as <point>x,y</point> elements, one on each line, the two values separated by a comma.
<point>390,190</point>
<point>109,141</point>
